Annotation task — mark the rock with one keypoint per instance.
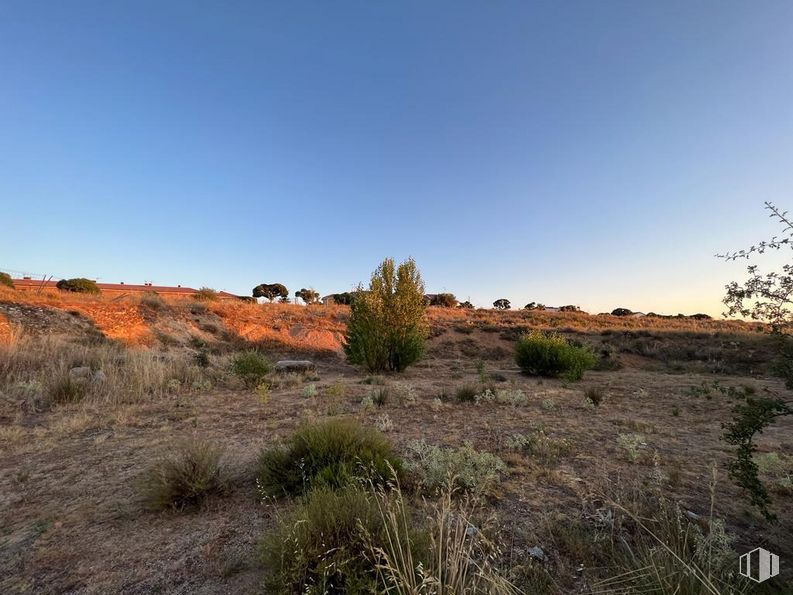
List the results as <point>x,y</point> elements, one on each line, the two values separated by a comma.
<point>537,553</point>
<point>298,365</point>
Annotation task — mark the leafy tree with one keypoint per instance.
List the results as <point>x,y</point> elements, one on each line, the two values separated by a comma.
<point>344,299</point>
<point>466,305</point>
<point>534,306</point>
<point>270,291</point>
<point>5,280</point>
<point>309,296</point>
<point>444,300</point>
<point>502,304</point>
<point>621,312</point>
<point>387,328</point>
<point>78,285</point>
<point>569,308</point>
<point>766,297</point>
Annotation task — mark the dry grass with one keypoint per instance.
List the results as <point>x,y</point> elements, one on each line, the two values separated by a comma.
<point>461,558</point>
<point>71,522</point>
<point>39,372</point>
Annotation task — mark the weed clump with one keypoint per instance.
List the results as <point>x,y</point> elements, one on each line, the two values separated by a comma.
<point>331,454</point>
<point>206,294</point>
<point>540,354</point>
<point>467,469</point>
<point>594,395</point>
<point>467,393</point>
<point>185,478</point>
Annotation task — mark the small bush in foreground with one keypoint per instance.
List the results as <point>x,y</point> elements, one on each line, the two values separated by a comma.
<point>184,478</point>
<point>78,285</point>
<point>5,280</point>
<point>332,453</point>
<point>323,546</point>
<point>251,367</point>
<point>540,354</point>
<point>468,470</point>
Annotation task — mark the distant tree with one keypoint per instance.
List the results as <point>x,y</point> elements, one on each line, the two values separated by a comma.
<point>5,280</point>
<point>534,306</point>
<point>284,299</point>
<point>78,285</point>
<point>621,312</point>
<point>701,317</point>
<point>309,296</point>
<point>387,330</point>
<point>270,291</point>
<point>502,304</point>
<point>767,298</point>
<point>443,300</point>
<point>466,305</point>
<point>345,298</point>
<point>569,308</point>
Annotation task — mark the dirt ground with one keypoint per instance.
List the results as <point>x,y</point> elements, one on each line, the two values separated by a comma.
<point>71,520</point>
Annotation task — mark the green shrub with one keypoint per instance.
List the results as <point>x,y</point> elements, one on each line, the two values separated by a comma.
<point>387,330</point>
<point>184,478</point>
<point>78,285</point>
<point>251,367</point>
<point>5,280</point>
<point>323,546</point>
<point>466,468</point>
<point>206,294</point>
<point>332,453</point>
<point>541,354</point>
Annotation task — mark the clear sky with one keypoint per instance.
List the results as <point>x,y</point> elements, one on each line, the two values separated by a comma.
<point>596,153</point>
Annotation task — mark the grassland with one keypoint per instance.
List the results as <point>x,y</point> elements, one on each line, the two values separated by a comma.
<point>577,480</point>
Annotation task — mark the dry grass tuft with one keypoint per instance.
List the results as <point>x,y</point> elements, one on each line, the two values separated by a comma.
<point>184,478</point>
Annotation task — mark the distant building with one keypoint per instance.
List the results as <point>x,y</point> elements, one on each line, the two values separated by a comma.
<point>28,284</point>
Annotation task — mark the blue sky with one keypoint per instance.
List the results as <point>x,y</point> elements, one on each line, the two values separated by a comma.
<point>595,153</point>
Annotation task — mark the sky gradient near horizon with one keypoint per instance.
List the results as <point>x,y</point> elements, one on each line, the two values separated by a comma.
<point>593,153</point>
